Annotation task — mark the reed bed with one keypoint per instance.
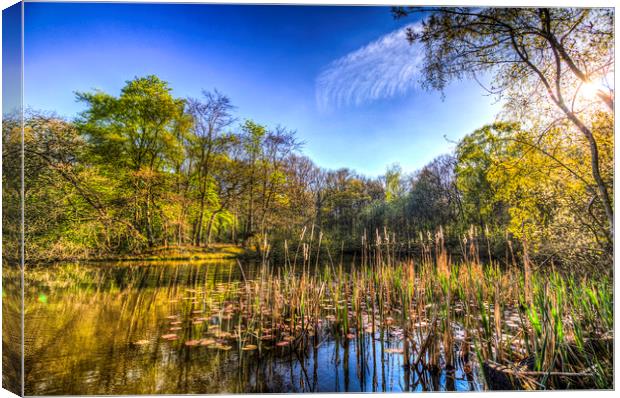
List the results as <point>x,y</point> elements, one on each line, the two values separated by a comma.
<point>518,328</point>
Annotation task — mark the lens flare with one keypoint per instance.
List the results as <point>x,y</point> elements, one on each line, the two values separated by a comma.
<point>589,90</point>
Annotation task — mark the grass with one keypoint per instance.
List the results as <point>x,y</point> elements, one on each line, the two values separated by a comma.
<point>522,329</point>
<point>539,329</point>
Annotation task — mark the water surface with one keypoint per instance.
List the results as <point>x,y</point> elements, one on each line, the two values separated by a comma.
<point>97,329</point>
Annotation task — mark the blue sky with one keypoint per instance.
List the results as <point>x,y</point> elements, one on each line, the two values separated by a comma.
<point>342,77</point>
<point>11,58</point>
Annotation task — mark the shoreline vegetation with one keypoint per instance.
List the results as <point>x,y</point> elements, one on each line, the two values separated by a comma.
<point>215,251</point>
<point>508,327</point>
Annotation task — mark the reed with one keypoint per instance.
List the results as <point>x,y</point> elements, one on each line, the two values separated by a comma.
<point>541,328</point>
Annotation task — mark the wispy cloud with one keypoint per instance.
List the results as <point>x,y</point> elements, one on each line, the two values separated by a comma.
<point>384,68</point>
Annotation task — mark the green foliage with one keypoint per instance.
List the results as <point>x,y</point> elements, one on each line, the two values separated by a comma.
<point>542,61</point>
<point>476,156</point>
<point>145,169</point>
<point>393,183</point>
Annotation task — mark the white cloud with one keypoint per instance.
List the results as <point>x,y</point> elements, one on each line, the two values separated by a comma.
<point>384,68</point>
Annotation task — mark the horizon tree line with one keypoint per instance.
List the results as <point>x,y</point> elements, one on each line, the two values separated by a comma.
<point>144,169</point>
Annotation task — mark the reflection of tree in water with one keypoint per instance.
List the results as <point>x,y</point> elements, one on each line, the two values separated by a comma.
<point>80,339</point>
<point>11,329</point>
<point>11,250</point>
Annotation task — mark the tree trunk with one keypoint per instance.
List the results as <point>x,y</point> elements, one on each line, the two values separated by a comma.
<point>198,231</point>
<point>233,230</point>
<point>527,273</point>
<point>149,228</point>
<point>249,225</point>
<point>559,101</point>
<point>210,225</point>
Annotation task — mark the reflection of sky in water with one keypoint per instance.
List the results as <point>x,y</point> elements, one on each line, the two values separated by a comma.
<point>83,322</point>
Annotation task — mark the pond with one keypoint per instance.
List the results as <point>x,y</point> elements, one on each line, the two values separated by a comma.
<point>175,328</point>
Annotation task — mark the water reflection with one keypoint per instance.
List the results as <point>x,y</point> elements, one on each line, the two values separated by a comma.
<point>99,330</point>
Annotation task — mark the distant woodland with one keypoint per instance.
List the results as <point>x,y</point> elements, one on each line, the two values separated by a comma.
<point>140,168</point>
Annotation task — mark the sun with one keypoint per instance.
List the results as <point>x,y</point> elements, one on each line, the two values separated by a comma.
<point>590,89</point>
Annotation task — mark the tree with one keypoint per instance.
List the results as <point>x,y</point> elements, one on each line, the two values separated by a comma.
<point>305,192</point>
<point>278,145</point>
<point>434,200</point>
<point>535,188</point>
<point>211,116</point>
<point>476,155</point>
<point>393,183</point>
<point>528,51</point>
<point>67,211</point>
<point>346,196</point>
<point>227,182</point>
<point>133,137</point>
<point>252,140</point>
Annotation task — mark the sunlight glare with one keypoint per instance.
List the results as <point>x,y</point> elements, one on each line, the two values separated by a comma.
<point>590,89</point>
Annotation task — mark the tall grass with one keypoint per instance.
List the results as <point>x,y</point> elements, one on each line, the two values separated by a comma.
<point>528,328</point>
